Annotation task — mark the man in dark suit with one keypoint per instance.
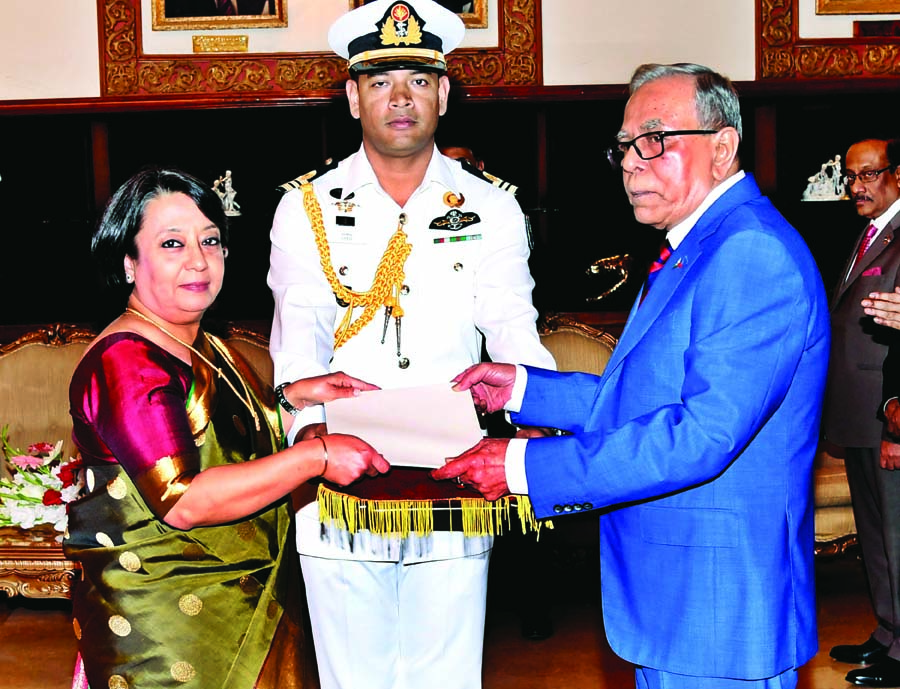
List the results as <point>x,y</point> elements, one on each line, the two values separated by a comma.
<point>852,417</point>
<point>697,442</point>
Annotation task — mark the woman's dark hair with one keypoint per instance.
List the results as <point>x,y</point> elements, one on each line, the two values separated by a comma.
<point>113,239</point>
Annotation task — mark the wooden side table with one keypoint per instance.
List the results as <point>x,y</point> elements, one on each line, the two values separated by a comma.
<point>32,563</point>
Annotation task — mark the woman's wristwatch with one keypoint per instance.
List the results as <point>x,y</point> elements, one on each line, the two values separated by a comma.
<point>283,401</point>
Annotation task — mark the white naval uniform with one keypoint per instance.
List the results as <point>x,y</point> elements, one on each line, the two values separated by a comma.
<point>398,613</point>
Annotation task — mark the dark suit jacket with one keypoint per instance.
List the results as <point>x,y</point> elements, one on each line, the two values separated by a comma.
<point>697,445</point>
<point>851,417</point>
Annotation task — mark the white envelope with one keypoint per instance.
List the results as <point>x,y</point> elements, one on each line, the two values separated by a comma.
<point>416,427</point>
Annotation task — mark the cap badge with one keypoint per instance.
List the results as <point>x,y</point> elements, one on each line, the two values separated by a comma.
<point>401,27</point>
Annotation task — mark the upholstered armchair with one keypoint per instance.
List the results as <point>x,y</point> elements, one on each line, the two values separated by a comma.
<point>34,385</point>
<point>574,345</point>
<point>835,526</point>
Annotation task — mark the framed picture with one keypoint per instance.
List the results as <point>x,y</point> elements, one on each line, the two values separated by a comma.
<point>783,54</point>
<point>190,15</point>
<point>473,12</point>
<point>857,6</point>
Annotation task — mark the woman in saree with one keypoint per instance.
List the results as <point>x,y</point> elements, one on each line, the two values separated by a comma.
<point>185,536</point>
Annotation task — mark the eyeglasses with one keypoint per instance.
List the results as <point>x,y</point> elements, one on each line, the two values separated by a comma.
<point>648,146</point>
<point>865,176</point>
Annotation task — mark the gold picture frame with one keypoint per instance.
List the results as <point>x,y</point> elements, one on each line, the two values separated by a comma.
<point>475,18</point>
<point>857,6</point>
<point>783,55</point>
<point>190,16</point>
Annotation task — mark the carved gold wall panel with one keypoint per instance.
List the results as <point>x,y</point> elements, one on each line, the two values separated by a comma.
<point>126,71</point>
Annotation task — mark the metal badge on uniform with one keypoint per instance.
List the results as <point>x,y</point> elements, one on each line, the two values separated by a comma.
<point>454,201</point>
<point>343,205</point>
<point>454,220</point>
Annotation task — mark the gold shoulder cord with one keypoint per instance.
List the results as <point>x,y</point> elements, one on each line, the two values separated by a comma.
<point>385,290</point>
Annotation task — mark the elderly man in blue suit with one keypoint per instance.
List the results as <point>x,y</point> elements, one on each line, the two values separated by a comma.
<point>697,443</point>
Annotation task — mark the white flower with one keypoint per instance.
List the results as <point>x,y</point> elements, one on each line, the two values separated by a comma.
<point>33,474</point>
<point>71,493</point>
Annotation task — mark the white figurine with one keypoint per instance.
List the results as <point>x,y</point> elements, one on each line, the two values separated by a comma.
<point>837,177</point>
<point>827,184</point>
<point>223,187</point>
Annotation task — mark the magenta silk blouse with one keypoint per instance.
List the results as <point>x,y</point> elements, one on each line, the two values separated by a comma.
<point>127,400</point>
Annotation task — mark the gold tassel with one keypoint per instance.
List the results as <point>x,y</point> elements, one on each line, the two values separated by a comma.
<point>479,517</point>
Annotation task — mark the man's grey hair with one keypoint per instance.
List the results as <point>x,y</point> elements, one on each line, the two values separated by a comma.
<point>715,98</point>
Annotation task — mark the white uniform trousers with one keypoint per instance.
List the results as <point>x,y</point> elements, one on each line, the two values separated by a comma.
<point>390,625</point>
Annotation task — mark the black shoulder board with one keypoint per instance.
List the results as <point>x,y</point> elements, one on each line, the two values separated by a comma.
<point>497,182</point>
<point>308,177</point>
<point>487,177</point>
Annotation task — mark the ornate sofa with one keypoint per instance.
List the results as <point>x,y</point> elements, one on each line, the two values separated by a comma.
<point>34,404</point>
<point>36,367</point>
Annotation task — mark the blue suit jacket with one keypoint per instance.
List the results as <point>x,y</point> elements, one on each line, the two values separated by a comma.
<point>697,444</point>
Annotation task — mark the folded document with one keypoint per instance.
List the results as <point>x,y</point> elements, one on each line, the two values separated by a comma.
<point>416,427</point>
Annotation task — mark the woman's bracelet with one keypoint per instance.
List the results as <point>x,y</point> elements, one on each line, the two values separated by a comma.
<point>325,451</point>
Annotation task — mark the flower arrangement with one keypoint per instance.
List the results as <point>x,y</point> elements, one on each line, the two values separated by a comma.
<point>41,485</point>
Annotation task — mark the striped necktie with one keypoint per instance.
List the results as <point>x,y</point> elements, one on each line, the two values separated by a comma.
<point>657,265</point>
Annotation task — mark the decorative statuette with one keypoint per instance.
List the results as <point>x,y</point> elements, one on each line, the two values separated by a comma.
<point>223,187</point>
<point>827,184</point>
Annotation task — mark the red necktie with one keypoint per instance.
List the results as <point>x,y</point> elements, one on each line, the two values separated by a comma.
<point>657,265</point>
<point>225,7</point>
<point>865,243</point>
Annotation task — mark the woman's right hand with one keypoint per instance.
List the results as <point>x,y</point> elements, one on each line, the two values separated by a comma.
<point>307,392</point>
<point>349,458</point>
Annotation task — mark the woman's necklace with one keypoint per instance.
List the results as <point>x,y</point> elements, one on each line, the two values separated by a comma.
<point>245,398</point>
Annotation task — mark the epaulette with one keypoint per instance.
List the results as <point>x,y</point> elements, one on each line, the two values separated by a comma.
<point>497,182</point>
<point>487,177</point>
<point>295,183</point>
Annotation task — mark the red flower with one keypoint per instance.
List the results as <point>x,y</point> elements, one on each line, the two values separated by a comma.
<point>67,472</point>
<point>41,448</point>
<point>52,497</point>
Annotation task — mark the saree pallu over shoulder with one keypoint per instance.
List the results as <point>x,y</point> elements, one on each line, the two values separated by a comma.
<point>215,606</point>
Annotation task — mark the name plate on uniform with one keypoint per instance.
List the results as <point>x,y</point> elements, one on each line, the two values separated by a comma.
<point>415,427</point>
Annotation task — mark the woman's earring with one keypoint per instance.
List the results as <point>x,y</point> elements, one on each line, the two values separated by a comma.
<point>225,252</point>
<point>129,278</point>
